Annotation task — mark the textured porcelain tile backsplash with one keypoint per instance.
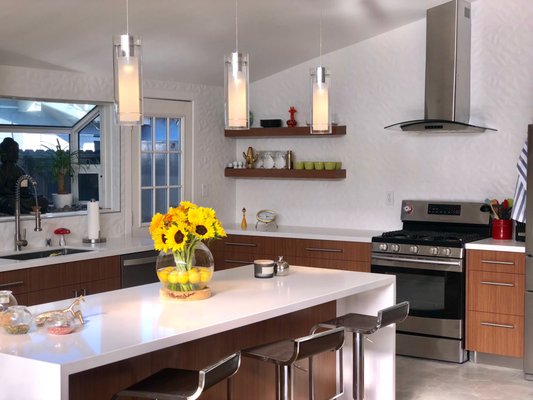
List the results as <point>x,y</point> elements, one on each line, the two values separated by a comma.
<point>380,82</point>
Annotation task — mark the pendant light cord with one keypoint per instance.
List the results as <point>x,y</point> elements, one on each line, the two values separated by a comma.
<point>236,29</point>
<point>320,36</point>
<point>127,17</point>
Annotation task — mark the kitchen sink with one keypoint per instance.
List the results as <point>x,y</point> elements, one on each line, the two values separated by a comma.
<point>44,254</point>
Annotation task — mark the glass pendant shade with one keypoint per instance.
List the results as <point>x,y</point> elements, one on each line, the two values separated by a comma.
<point>127,74</point>
<point>320,101</point>
<point>236,89</point>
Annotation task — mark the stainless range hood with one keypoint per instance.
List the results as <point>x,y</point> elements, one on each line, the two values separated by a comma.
<point>447,97</point>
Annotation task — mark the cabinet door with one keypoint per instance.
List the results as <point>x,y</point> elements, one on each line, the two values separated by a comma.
<point>17,281</point>
<point>347,265</point>
<point>496,261</point>
<point>495,333</point>
<point>496,292</point>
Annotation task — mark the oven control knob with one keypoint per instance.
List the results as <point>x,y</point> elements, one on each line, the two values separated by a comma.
<point>433,251</point>
<point>395,247</point>
<point>446,252</point>
<point>383,246</point>
<point>413,249</point>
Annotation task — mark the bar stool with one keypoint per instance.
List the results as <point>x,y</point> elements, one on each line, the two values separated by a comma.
<point>183,384</point>
<point>361,325</point>
<point>285,353</point>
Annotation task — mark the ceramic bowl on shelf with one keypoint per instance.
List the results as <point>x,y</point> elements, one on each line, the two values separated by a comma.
<point>309,164</point>
<point>329,165</point>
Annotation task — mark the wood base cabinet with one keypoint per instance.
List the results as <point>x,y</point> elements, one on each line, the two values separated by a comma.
<point>495,302</point>
<point>238,250</point>
<point>49,283</point>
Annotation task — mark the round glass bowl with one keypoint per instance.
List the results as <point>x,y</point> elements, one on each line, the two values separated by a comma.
<point>60,323</point>
<point>6,300</point>
<point>18,320</point>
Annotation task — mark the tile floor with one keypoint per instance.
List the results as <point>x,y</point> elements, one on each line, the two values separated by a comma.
<point>418,379</point>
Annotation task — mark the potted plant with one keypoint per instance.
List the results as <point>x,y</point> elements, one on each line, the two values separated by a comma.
<point>64,163</point>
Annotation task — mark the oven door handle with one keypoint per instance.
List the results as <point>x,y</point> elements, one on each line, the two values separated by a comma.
<point>442,265</point>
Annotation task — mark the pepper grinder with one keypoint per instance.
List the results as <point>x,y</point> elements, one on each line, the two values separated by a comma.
<point>244,224</point>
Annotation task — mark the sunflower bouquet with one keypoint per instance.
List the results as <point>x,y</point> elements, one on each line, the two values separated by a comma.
<point>180,233</point>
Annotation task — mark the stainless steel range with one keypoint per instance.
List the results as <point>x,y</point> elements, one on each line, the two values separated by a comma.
<point>428,259</point>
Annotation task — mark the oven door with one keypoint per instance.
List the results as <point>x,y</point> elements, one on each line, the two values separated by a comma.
<point>435,289</point>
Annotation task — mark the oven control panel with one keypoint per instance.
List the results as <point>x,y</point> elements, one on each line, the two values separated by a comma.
<point>419,250</point>
<point>444,209</point>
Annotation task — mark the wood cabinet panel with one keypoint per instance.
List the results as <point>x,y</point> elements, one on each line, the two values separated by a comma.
<point>347,265</point>
<point>495,333</point>
<point>73,291</point>
<point>496,292</point>
<point>496,261</point>
<point>17,281</point>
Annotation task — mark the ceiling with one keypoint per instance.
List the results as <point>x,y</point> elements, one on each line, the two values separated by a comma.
<point>185,41</point>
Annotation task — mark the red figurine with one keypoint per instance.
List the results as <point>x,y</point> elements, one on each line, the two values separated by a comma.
<point>292,122</point>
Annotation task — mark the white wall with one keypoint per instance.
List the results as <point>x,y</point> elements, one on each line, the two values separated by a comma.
<point>379,82</point>
<point>210,148</point>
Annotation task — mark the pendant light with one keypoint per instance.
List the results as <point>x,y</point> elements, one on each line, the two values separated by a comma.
<point>127,77</point>
<point>236,86</point>
<point>320,99</point>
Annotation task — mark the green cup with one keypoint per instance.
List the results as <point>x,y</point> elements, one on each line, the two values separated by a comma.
<point>309,164</point>
<point>319,165</point>
<point>338,165</point>
<point>298,165</point>
<point>329,165</point>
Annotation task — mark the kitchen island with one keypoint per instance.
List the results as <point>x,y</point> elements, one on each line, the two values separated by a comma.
<point>125,328</point>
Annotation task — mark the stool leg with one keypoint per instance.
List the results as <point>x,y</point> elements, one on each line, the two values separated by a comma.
<point>358,366</point>
<point>311,383</point>
<point>284,382</point>
<point>229,393</point>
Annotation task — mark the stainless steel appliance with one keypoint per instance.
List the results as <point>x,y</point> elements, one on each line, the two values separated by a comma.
<point>138,268</point>
<point>528,304</point>
<point>429,261</point>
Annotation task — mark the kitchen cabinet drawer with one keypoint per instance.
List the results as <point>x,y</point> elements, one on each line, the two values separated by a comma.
<point>17,281</point>
<point>241,243</point>
<point>347,265</point>
<point>73,291</point>
<point>496,261</point>
<point>330,249</point>
<point>495,333</point>
<point>496,292</point>
<point>236,259</point>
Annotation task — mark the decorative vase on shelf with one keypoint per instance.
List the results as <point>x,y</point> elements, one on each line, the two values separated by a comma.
<point>185,264</point>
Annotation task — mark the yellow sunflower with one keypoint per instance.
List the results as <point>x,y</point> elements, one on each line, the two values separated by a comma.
<point>177,215</point>
<point>157,221</point>
<point>176,237</point>
<point>159,237</point>
<point>186,206</point>
<point>219,230</point>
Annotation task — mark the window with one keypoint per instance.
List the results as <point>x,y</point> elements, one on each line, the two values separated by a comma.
<point>161,171</point>
<point>161,162</point>
<point>38,127</point>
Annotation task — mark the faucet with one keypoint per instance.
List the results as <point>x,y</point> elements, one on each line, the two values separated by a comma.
<point>20,239</point>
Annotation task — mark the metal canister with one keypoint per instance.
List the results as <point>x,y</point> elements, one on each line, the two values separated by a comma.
<point>282,267</point>
<point>289,159</point>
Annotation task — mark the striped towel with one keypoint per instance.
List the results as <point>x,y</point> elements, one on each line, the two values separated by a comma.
<point>519,206</point>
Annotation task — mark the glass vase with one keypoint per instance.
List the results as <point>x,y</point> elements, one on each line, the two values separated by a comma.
<point>184,273</point>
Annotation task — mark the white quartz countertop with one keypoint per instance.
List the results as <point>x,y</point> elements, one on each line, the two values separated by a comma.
<point>304,232</point>
<point>497,245</point>
<point>113,247</point>
<point>129,322</point>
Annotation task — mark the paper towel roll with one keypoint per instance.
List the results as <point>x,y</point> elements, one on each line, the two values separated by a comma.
<point>93,219</point>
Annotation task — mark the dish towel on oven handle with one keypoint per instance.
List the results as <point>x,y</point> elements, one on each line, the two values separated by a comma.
<point>518,213</point>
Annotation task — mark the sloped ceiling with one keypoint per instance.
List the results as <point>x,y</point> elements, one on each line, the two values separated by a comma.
<point>186,41</point>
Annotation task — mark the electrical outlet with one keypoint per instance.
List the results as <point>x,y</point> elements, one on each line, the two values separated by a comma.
<point>389,198</point>
<point>205,190</point>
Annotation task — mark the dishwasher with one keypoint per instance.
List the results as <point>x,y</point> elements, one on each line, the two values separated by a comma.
<point>138,268</point>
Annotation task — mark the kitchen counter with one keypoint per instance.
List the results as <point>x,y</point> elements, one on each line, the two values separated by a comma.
<point>497,245</point>
<point>134,321</point>
<point>303,232</point>
<point>113,247</point>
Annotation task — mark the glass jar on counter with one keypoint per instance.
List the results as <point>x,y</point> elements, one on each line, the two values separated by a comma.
<point>6,300</point>
<point>60,323</point>
<point>18,320</point>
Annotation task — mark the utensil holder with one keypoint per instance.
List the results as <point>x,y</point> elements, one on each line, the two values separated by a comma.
<point>502,229</point>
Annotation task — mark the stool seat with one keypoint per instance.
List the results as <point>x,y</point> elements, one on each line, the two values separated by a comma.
<point>360,325</point>
<point>183,384</point>
<point>284,353</point>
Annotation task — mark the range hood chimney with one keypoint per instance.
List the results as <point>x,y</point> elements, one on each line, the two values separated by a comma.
<point>447,96</point>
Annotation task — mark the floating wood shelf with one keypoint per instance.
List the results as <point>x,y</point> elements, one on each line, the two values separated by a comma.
<point>297,131</point>
<point>285,173</point>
